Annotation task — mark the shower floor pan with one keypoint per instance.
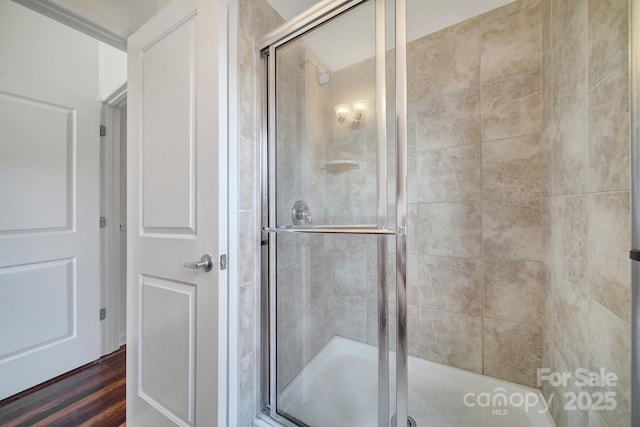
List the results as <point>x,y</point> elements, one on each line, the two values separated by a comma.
<point>339,388</point>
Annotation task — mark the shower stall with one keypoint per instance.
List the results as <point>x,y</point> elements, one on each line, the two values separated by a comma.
<point>445,201</point>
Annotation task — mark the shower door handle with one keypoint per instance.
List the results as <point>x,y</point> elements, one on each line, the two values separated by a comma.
<point>205,263</point>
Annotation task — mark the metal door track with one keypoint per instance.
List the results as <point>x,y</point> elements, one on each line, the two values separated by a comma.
<point>410,421</point>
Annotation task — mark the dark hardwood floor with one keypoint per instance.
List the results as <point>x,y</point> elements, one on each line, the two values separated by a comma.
<point>92,395</point>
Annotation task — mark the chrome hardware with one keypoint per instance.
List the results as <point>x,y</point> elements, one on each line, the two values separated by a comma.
<point>331,229</point>
<point>223,262</point>
<point>205,263</point>
<point>300,213</point>
<point>410,421</point>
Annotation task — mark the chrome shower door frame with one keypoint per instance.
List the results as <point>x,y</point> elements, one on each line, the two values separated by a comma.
<point>634,47</point>
<point>267,45</point>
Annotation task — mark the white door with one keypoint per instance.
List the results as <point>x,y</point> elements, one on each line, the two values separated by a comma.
<point>173,188</point>
<point>49,228</point>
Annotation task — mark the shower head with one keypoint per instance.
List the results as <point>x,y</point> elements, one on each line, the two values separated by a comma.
<point>323,77</point>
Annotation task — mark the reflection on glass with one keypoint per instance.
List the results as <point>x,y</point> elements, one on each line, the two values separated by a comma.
<point>326,122</point>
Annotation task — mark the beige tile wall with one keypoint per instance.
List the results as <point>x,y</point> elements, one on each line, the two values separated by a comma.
<point>585,111</point>
<point>306,302</point>
<point>255,18</point>
<point>519,203</point>
<point>480,188</point>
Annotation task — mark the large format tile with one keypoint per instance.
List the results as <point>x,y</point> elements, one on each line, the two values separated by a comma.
<point>445,61</point>
<point>450,338</point>
<point>350,273</point>
<point>247,180</point>
<point>563,413</point>
<point>449,229</point>
<point>449,174</point>
<point>570,55</point>
<point>609,133</point>
<point>511,107</point>
<point>451,284</point>
<point>609,348</point>
<point>290,302</point>
<point>512,351</point>
<point>569,238</point>
<point>290,359</point>
<point>547,62</point>
<point>317,327</point>
<point>246,390</point>
<point>512,168</point>
<point>563,11</point>
<point>608,249</point>
<point>514,291</point>
<point>570,146</point>
<point>319,268</point>
<point>608,37</point>
<point>351,317</point>
<point>510,40</point>
<point>448,119</point>
<point>512,229</point>
<point>246,319</point>
<point>248,246</point>
<point>570,328</point>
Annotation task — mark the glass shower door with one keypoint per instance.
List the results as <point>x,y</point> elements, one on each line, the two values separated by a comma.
<point>330,164</point>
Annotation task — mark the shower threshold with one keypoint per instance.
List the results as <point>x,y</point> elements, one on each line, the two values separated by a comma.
<point>339,388</point>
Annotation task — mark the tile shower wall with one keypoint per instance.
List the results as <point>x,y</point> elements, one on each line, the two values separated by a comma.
<point>305,303</point>
<point>477,275</point>
<point>478,195</point>
<point>518,192</point>
<point>255,18</point>
<point>585,125</point>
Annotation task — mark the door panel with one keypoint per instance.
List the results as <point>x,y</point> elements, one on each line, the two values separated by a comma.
<point>331,156</point>
<point>168,311</point>
<point>168,111</point>
<point>41,181</point>
<point>173,215</point>
<point>49,282</point>
<point>38,293</point>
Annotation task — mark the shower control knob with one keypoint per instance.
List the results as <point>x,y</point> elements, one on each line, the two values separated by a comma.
<point>300,213</point>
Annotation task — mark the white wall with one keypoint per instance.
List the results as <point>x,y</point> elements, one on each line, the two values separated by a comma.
<point>39,50</point>
<point>112,70</point>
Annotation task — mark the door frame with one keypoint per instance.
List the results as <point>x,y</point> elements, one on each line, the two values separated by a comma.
<point>267,45</point>
<point>634,48</point>
<point>112,199</point>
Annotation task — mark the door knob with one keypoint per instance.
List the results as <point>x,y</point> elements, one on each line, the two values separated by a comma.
<point>205,263</point>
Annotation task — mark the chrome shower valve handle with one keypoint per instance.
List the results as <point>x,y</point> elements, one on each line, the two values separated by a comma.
<point>300,213</point>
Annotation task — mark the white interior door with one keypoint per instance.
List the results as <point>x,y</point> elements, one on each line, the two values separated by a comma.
<point>49,280</point>
<point>173,217</point>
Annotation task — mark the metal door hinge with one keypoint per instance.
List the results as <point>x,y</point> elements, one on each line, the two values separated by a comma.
<point>103,313</point>
<point>634,254</point>
<point>103,130</point>
<point>103,221</point>
<point>223,262</point>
